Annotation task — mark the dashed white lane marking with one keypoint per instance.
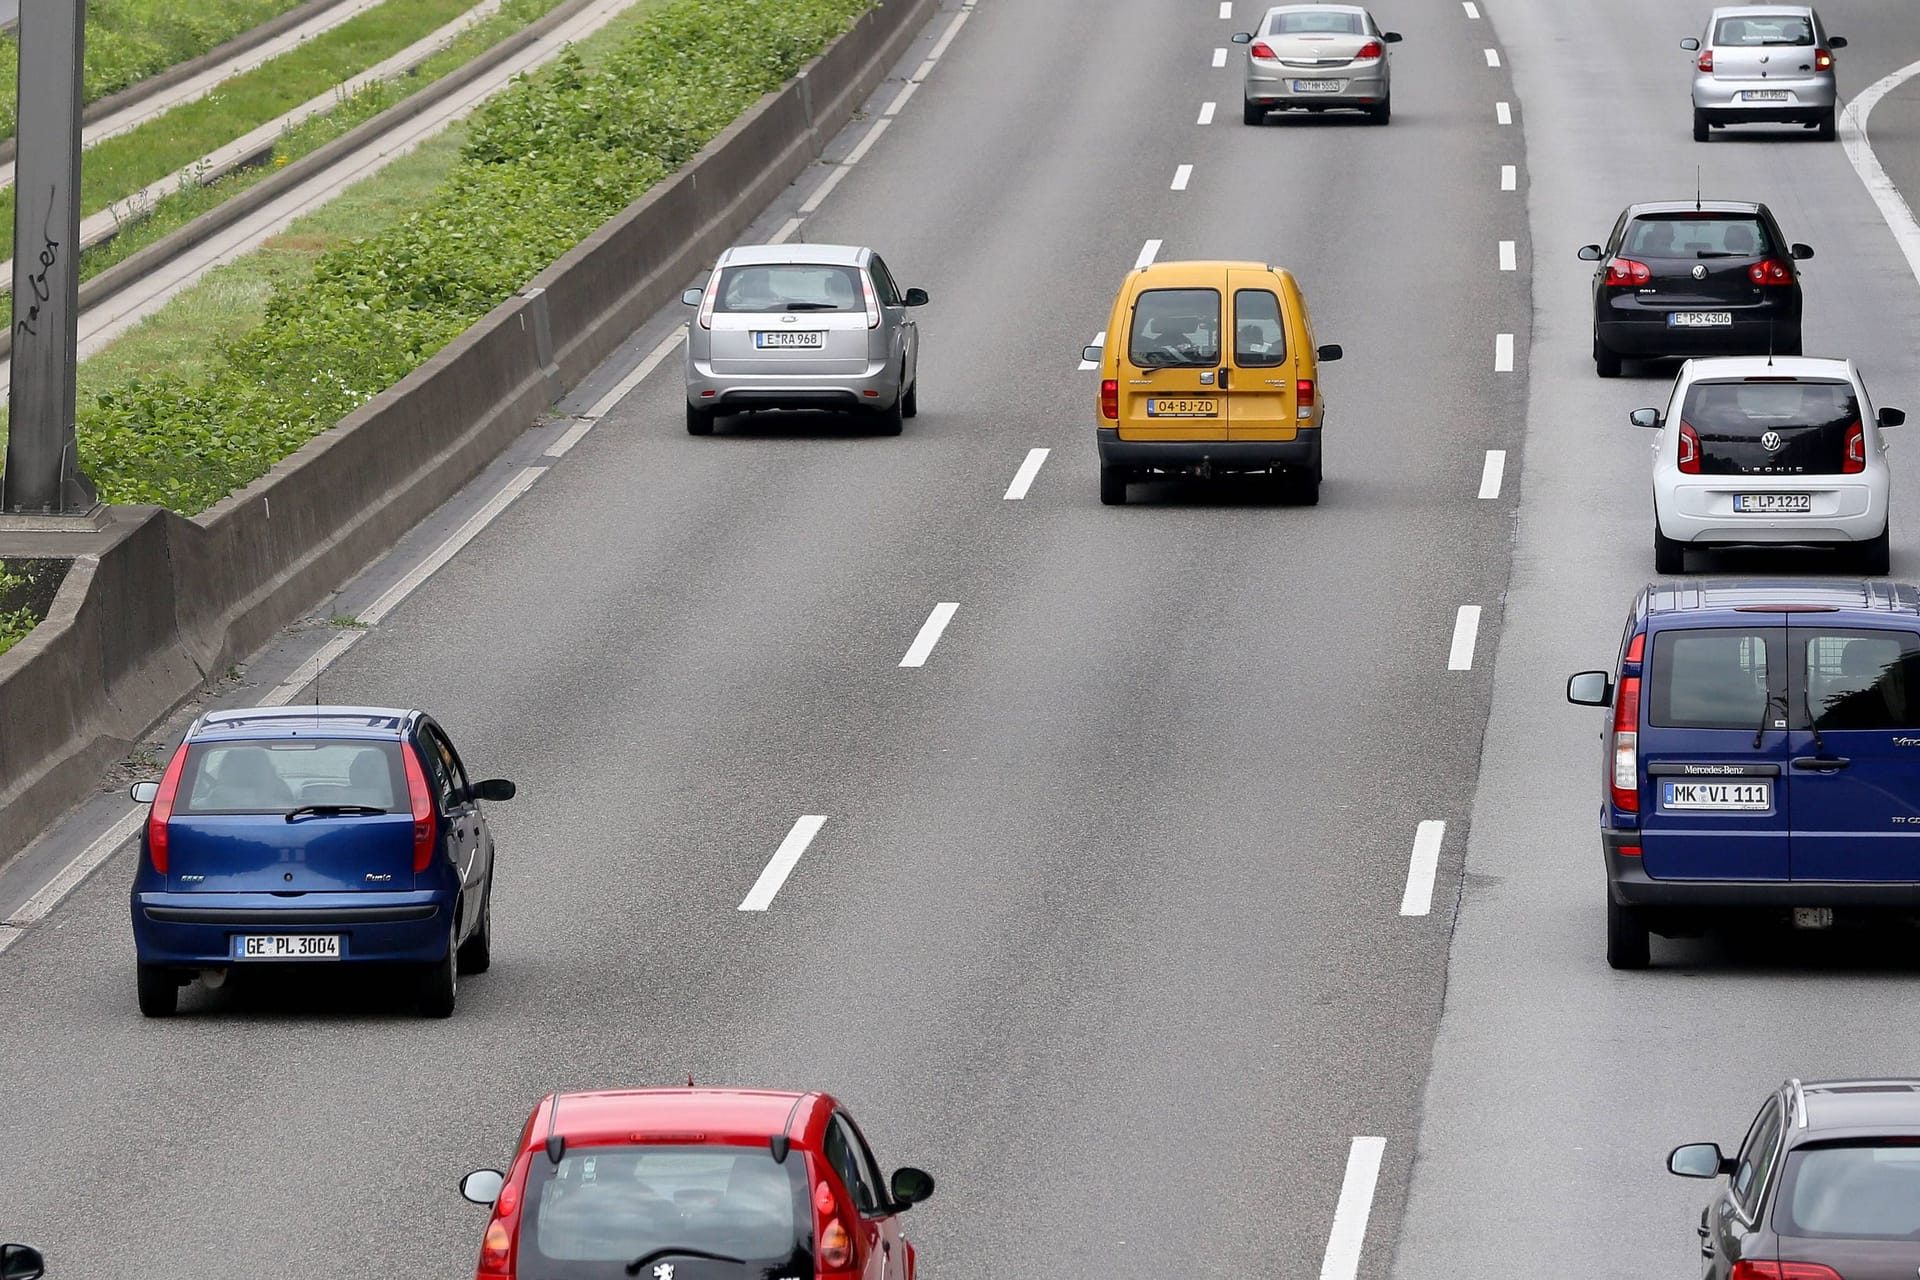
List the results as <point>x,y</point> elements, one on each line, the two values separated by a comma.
<point>1493,57</point>
<point>953,29</point>
<point>1473,10</point>
<point>1507,257</point>
<point>1147,254</point>
<point>1422,867</point>
<point>1503,353</point>
<point>1893,207</point>
<point>900,99</point>
<point>1099,340</point>
<point>70,877</point>
<point>1023,478</point>
<point>1181,176</point>
<point>1219,57</point>
<point>785,233</point>
<point>780,866</point>
<point>854,157</point>
<point>1206,113</point>
<point>1466,629</point>
<point>1509,177</point>
<point>1493,473</point>
<point>605,404</point>
<point>1503,113</point>
<point>929,636</point>
<point>1226,8</point>
<point>323,657</point>
<point>1350,1215</point>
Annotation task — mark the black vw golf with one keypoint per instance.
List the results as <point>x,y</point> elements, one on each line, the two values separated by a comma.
<point>1685,278</point>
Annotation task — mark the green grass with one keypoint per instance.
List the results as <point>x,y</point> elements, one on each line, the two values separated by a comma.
<point>129,40</point>
<point>27,588</point>
<point>128,162</point>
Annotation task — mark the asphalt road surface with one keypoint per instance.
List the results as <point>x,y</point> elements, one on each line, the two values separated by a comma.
<point>1104,922</point>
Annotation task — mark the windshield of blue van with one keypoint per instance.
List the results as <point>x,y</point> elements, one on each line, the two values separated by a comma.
<point>1858,1191</point>
<point>1714,678</point>
<point>789,287</point>
<point>1173,327</point>
<point>282,775</point>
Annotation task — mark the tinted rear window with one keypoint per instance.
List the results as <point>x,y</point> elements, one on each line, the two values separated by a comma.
<point>1709,679</point>
<point>1762,30</point>
<point>789,287</point>
<point>1314,22</point>
<point>1750,427</point>
<point>602,1207</point>
<point>1690,236</point>
<point>275,776</point>
<point>1175,327</point>
<point>1863,679</point>
<point>1866,1191</point>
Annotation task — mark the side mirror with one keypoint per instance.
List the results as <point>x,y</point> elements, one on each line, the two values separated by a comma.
<point>493,789</point>
<point>1690,44</point>
<point>1329,352</point>
<point>1243,37</point>
<point>909,1186</point>
<point>21,1262</point>
<point>1892,417</point>
<point>1589,689</point>
<point>915,298</point>
<point>1836,42</point>
<point>483,1186</point>
<point>1801,252</point>
<point>1392,37</point>
<point>1091,354</point>
<point>1644,417</point>
<point>1698,1160</point>
<point>144,792</point>
<point>1591,253</point>
<point>692,297</point>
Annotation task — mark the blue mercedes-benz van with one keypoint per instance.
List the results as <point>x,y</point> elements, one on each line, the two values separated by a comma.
<point>1762,752</point>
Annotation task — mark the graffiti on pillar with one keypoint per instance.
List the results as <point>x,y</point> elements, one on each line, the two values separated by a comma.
<point>49,255</point>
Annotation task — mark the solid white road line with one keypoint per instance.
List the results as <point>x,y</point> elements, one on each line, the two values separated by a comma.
<point>1493,57</point>
<point>1219,57</point>
<point>1148,252</point>
<point>1507,260</point>
<point>1355,1207</point>
<point>1503,353</point>
<point>390,599</point>
<point>1206,113</point>
<point>1421,868</point>
<point>780,866</point>
<point>604,405</point>
<point>1466,629</point>
<point>1509,177</point>
<point>309,671</point>
<point>1853,136</point>
<point>1502,113</point>
<point>71,875</point>
<point>1181,176</point>
<point>1493,473</point>
<point>1023,478</point>
<point>929,634</point>
<point>1099,339</point>
<point>1473,10</point>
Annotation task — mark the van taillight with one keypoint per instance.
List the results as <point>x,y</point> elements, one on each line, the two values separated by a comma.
<point>162,811</point>
<point>1856,459</point>
<point>1626,745</point>
<point>1110,399</point>
<point>1706,61</point>
<point>836,1246</point>
<point>1303,392</point>
<point>1636,647</point>
<point>1689,450</point>
<point>420,800</point>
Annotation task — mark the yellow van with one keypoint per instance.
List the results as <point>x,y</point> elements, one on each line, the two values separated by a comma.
<point>1177,399</point>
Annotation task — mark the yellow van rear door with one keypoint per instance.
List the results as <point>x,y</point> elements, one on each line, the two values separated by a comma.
<point>1169,364</point>
<point>1260,373</point>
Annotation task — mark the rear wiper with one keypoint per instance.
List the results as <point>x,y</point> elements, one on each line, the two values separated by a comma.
<point>331,810</point>
<point>1819,743</point>
<point>645,1259</point>
<point>811,306</point>
<point>1765,711</point>
<point>1720,253</point>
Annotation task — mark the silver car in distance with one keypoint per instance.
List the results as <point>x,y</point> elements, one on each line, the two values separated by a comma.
<point>802,326</point>
<point>1770,64</point>
<point>1318,57</point>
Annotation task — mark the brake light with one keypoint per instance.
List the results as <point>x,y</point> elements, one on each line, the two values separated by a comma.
<point>1750,1270</point>
<point>1626,745</point>
<point>873,303</point>
<point>1823,60</point>
<point>707,301</point>
<point>162,811</point>
<point>1629,850</point>
<point>1303,392</point>
<point>1706,61</point>
<point>1856,450</point>
<point>496,1249</point>
<point>1625,271</point>
<point>1770,271</point>
<point>1689,449</point>
<point>1371,49</point>
<point>836,1246</point>
<point>420,800</point>
<point>1261,49</point>
<point>1110,399</point>
<point>1636,647</point>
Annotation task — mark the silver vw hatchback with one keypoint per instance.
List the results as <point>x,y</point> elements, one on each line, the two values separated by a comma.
<point>1764,64</point>
<point>802,326</point>
<point>1318,57</point>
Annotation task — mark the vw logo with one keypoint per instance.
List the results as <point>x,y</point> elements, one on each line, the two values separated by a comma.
<point>1771,442</point>
<point>1699,273</point>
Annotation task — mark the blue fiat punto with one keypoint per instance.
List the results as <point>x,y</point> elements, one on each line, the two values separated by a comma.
<point>314,835</point>
<point>1763,752</point>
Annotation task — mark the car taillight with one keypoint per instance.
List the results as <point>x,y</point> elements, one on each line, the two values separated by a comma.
<point>1856,450</point>
<point>1747,1269</point>
<point>1706,61</point>
<point>1261,49</point>
<point>162,811</point>
<point>1689,450</point>
<point>496,1249</point>
<point>420,800</point>
<point>836,1246</point>
<point>1770,271</point>
<point>873,303</point>
<point>707,301</point>
<point>1626,745</point>
<point>1371,49</point>
<point>1822,60</point>
<point>1110,399</point>
<point>1625,271</point>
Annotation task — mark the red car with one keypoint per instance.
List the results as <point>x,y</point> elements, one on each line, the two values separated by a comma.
<point>694,1184</point>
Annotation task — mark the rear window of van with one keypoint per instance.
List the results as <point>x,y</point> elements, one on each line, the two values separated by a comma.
<point>1710,679</point>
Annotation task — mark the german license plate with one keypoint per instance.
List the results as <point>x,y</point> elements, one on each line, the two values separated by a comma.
<point>804,338</point>
<point>1763,95</point>
<point>1699,319</point>
<point>287,946</point>
<point>1763,504</point>
<point>1319,86</point>
<point>1717,795</point>
<point>1161,407</point>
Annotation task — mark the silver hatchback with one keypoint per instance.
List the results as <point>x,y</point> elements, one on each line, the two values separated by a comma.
<point>802,326</point>
<point>1318,57</point>
<point>1768,64</point>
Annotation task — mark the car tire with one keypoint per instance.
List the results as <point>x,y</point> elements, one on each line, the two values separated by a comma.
<point>1669,554</point>
<point>891,422</point>
<point>699,421</point>
<point>1629,943</point>
<point>1699,125</point>
<point>476,953</point>
<point>1381,114</point>
<point>1829,126</point>
<point>159,990</point>
<point>1606,362</point>
<point>910,403</point>
<point>440,983</point>
<point>1876,554</point>
<point>1252,113</point>
<point>1113,486</point>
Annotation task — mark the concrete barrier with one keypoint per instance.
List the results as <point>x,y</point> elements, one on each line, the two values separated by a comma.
<point>160,603</point>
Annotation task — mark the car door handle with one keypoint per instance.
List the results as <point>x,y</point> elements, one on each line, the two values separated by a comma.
<point>1821,764</point>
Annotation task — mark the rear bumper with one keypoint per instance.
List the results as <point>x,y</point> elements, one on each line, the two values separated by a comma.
<point>1648,334</point>
<point>1215,455</point>
<point>1858,515</point>
<point>1630,885</point>
<point>876,388</point>
<point>196,930</point>
<point>1808,98</point>
<point>1274,89</point>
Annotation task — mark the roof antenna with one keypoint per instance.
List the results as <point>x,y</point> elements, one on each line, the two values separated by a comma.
<point>1696,188</point>
<point>689,1079</point>
<point>556,1142</point>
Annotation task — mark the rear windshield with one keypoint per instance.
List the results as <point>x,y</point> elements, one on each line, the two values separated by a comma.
<point>1757,31</point>
<point>789,287</point>
<point>1693,236</point>
<point>1175,327</point>
<point>278,776</point>
<point>1866,1191</point>
<point>1313,22</point>
<point>1709,679</point>
<point>1771,428</point>
<point>1863,679</point>
<point>603,1207</point>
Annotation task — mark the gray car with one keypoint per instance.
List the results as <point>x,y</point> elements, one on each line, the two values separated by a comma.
<point>802,326</point>
<point>1770,64</point>
<point>1318,57</point>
